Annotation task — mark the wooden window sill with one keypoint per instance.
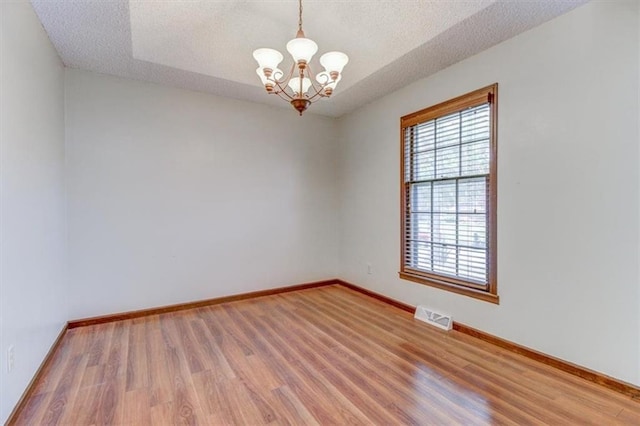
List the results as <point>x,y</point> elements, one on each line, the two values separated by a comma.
<point>466,291</point>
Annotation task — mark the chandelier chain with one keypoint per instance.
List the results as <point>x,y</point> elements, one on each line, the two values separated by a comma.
<point>300,15</point>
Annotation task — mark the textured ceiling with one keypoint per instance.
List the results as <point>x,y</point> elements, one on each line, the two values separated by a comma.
<point>207,45</point>
<point>217,38</point>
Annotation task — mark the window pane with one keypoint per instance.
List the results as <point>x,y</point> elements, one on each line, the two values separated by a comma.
<point>472,195</point>
<point>472,230</point>
<point>444,228</point>
<point>421,197</point>
<point>421,226</point>
<point>475,124</point>
<point>421,256</point>
<point>472,265</point>
<point>444,259</point>
<point>444,196</point>
<point>424,136</point>
<point>448,162</point>
<point>475,158</point>
<point>448,130</point>
<point>423,165</point>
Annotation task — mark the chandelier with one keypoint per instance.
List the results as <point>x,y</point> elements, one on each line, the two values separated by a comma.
<point>300,91</point>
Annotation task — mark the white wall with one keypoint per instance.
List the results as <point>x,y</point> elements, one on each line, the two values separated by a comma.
<point>568,189</point>
<point>177,196</point>
<point>33,292</point>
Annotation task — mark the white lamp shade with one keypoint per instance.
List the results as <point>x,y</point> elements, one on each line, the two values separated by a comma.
<point>334,61</point>
<point>276,74</point>
<point>294,84</point>
<point>325,78</point>
<point>302,49</point>
<point>267,58</point>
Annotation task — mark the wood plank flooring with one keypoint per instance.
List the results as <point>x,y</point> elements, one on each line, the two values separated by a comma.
<point>321,356</point>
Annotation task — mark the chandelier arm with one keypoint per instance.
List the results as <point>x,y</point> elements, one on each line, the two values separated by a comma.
<point>282,85</point>
<point>285,95</point>
<point>311,77</point>
<point>316,92</point>
<point>277,87</point>
<point>286,81</point>
<point>313,84</point>
<point>279,84</point>
<point>318,95</point>
<point>311,92</point>
<point>327,80</point>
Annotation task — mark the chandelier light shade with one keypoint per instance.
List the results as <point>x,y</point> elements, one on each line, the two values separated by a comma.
<point>300,88</point>
<point>302,49</point>
<point>294,84</point>
<point>334,61</point>
<point>268,58</point>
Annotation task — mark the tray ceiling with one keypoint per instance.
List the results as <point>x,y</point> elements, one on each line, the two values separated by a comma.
<point>207,45</point>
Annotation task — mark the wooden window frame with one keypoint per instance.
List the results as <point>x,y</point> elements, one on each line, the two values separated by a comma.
<point>478,97</point>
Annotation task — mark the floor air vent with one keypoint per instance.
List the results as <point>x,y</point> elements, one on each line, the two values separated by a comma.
<point>429,316</point>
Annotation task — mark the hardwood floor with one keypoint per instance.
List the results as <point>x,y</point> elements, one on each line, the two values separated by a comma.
<point>321,356</point>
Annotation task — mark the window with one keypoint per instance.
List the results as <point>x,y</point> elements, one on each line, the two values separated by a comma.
<point>449,195</point>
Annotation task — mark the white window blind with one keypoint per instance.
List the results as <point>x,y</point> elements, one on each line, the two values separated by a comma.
<point>447,176</point>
